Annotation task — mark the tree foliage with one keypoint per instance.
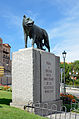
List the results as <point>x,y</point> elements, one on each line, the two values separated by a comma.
<point>76,66</point>
<point>69,68</point>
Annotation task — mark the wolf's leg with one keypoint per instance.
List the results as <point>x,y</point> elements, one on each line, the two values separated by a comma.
<point>25,38</point>
<point>33,41</point>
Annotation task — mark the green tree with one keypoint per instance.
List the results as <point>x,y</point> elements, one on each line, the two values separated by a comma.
<point>69,68</point>
<point>66,71</point>
<point>76,67</point>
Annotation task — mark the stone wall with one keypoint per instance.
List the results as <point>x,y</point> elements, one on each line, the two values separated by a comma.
<point>35,77</point>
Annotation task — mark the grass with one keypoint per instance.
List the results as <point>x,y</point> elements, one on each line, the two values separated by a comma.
<point>8,112</point>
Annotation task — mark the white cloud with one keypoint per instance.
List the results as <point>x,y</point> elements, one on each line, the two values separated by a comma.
<point>66,32</point>
<point>12,19</point>
<point>31,14</point>
<point>66,37</point>
<point>66,7</point>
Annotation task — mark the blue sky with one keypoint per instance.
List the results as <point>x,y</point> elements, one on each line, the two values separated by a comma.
<point>60,18</point>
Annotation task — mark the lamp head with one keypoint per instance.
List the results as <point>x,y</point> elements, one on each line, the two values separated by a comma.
<point>64,54</point>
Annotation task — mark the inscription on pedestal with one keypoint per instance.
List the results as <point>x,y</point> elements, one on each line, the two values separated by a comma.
<point>47,77</point>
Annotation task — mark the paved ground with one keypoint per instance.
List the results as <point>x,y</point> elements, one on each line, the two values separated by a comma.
<point>74,91</point>
<point>64,116</point>
<point>71,90</point>
<point>70,115</point>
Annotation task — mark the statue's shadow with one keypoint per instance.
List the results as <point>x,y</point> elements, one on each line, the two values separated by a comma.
<point>5,101</point>
<point>0,106</point>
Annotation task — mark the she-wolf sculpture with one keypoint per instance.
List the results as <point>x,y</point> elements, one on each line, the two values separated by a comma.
<point>37,34</point>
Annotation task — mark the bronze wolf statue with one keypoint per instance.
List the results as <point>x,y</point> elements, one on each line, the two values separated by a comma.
<point>37,34</point>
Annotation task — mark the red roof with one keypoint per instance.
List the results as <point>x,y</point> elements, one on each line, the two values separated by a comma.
<point>7,45</point>
<point>1,40</point>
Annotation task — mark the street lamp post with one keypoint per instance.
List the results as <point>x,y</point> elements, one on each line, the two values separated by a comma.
<point>64,56</point>
<point>61,74</point>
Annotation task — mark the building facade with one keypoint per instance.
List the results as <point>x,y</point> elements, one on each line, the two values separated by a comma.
<point>5,61</point>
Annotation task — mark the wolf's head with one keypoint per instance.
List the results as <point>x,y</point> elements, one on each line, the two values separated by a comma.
<point>27,21</point>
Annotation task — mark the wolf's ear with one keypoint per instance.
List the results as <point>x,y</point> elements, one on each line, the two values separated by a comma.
<point>33,22</point>
<point>24,16</point>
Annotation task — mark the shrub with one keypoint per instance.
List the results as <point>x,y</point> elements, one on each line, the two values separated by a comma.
<point>73,100</point>
<point>1,87</point>
<point>6,88</point>
<point>9,89</point>
<point>66,98</point>
<point>68,107</point>
<point>69,100</point>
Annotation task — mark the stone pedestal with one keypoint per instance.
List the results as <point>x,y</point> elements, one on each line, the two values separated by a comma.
<point>35,77</point>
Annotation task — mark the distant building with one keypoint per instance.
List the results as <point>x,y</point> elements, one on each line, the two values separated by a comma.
<point>5,61</point>
<point>66,62</point>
